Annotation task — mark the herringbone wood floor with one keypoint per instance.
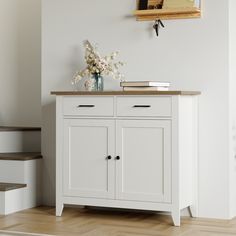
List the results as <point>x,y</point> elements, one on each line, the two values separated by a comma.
<point>94,222</point>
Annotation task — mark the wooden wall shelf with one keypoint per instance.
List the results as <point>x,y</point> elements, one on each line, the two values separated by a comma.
<point>168,14</point>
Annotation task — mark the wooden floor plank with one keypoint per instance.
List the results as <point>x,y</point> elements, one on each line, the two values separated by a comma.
<point>94,222</point>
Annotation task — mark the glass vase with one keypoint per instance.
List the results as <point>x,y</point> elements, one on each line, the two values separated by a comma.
<point>97,84</point>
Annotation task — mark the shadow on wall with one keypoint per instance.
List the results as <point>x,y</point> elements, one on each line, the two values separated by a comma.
<point>49,152</point>
<point>31,141</point>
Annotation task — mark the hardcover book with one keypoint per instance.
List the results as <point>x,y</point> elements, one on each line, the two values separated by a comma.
<point>145,88</point>
<point>144,84</point>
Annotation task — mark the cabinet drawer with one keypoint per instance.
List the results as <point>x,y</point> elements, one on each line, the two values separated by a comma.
<point>88,106</point>
<point>144,106</point>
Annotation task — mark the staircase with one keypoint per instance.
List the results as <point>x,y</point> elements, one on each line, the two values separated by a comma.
<point>20,168</point>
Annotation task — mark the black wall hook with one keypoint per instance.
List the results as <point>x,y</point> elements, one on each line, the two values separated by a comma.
<point>158,23</point>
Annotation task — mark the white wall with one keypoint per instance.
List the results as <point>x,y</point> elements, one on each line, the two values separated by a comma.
<point>8,59</point>
<point>192,54</point>
<point>20,62</point>
<point>29,59</point>
<point>232,101</point>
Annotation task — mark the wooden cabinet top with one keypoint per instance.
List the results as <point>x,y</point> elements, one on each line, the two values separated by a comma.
<point>120,93</point>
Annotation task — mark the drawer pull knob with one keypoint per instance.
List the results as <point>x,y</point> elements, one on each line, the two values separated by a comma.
<point>109,158</point>
<point>81,106</point>
<point>141,106</point>
<point>118,158</point>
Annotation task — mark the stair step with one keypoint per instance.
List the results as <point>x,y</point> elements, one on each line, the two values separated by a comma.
<point>19,128</point>
<point>4,187</point>
<point>20,156</point>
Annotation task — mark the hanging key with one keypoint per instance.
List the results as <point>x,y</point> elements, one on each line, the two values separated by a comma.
<point>157,25</point>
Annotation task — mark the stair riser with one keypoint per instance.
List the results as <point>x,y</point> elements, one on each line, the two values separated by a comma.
<point>20,141</point>
<point>12,201</point>
<point>25,172</point>
<point>12,171</point>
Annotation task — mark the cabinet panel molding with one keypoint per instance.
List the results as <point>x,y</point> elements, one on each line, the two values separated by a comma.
<point>144,170</point>
<point>87,170</point>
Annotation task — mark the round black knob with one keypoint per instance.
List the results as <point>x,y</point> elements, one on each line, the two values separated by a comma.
<point>109,157</point>
<point>117,158</point>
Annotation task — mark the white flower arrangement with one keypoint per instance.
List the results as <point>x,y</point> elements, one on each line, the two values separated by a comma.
<point>96,64</point>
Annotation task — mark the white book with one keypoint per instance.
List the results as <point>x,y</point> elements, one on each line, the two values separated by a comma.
<point>144,84</point>
<point>145,88</point>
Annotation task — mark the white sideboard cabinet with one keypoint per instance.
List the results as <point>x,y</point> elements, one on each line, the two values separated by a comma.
<point>135,150</point>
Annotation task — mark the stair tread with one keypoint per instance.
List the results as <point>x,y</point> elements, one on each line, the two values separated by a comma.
<point>18,128</point>
<point>20,156</point>
<point>10,186</point>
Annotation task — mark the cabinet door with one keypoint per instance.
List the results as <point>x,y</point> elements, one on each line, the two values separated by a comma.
<point>87,170</point>
<point>144,168</point>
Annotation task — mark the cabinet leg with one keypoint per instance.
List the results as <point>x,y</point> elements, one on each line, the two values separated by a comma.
<point>59,209</point>
<point>176,217</point>
<point>193,211</point>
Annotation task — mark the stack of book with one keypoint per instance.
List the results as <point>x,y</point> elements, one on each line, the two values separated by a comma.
<point>178,3</point>
<point>145,86</point>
